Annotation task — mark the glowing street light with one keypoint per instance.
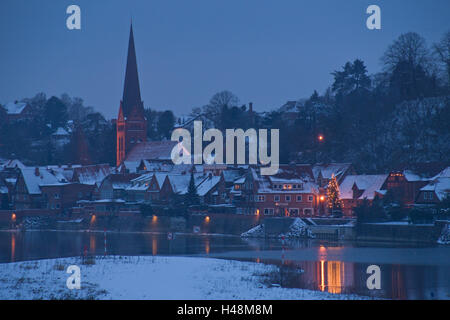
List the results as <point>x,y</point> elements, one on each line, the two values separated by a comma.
<point>320,137</point>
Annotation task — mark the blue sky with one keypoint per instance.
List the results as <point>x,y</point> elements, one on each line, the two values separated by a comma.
<point>265,51</point>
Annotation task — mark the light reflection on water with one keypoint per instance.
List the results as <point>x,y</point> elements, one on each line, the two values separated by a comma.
<point>326,273</point>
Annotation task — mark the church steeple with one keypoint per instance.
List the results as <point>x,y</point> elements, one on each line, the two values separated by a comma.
<point>131,91</point>
<point>131,124</point>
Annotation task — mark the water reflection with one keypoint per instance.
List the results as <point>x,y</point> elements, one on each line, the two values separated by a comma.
<point>13,247</point>
<point>328,269</point>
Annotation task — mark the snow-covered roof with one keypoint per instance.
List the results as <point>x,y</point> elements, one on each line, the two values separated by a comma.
<point>179,182</point>
<point>330,169</point>
<point>15,107</point>
<point>369,183</point>
<point>443,174</point>
<point>240,180</point>
<point>231,175</point>
<point>411,176</point>
<point>36,177</point>
<point>130,165</point>
<point>3,190</point>
<point>92,175</point>
<point>207,185</point>
<point>440,186</point>
<point>120,181</point>
<point>61,132</point>
<point>10,164</point>
<point>151,150</point>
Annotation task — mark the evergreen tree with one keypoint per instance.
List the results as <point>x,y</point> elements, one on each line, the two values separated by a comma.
<point>55,113</point>
<point>334,202</point>
<point>192,197</point>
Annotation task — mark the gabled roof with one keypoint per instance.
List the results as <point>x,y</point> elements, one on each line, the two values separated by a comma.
<point>231,176</point>
<point>369,183</point>
<point>180,182</point>
<point>207,184</point>
<point>295,171</point>
<point>421,171</point>
<point>91,175</point>
<point>35,178</point>
<point>443,174</point>
<point>15,107</point>
<point>329,169</point>
<point>440,186</point>
<point>120,181</point>
<point>151,150</point>
<point>11,164</point>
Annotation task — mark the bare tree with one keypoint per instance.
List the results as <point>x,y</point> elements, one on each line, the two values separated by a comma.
<point>409,47</point>
<point>442,51</point>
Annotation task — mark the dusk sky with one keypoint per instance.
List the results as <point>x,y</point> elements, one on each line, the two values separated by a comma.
<point>264,51</point>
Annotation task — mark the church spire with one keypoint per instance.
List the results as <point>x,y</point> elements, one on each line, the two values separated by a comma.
<point>131,91</point>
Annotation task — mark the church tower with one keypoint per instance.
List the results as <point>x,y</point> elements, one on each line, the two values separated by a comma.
<point>131,122</point>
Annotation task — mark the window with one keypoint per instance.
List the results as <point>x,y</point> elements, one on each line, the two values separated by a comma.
<point>428,196</point>
<point>276,198</point>
<point>56,195</point>
<point>310,198</point>
<point>293,212</point>
<point>287,198</point>
<point>261,199</point>
<point>299,198</point>
<point>307,212</point>
<point>268,211</point>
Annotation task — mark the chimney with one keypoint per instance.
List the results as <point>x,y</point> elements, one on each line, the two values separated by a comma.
<point>250,107</point>
<point>36,172</point>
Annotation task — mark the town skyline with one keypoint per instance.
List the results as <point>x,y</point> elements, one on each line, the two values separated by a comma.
<point>181,68</point>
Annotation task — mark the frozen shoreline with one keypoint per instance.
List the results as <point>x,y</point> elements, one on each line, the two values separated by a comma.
<point>148,277</point>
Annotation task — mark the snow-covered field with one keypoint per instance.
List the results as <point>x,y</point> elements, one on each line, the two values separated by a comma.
<point>147,277</point>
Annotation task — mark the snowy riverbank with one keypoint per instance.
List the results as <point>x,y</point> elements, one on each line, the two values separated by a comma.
<point>148,277</point>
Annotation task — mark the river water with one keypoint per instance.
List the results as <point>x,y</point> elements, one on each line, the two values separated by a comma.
<point>407,272</point>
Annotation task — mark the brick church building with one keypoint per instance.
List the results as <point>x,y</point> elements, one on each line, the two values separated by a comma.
<point>131,123</point>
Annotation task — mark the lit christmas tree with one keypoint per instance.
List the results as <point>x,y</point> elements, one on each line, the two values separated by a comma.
<point>333,196</point>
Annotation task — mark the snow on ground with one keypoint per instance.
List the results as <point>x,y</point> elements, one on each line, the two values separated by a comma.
<point>298,229</point>
<point>255,232</point>
<point>148,277</point>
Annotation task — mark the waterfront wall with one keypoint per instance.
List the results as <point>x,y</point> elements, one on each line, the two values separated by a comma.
<point>399,232</point>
